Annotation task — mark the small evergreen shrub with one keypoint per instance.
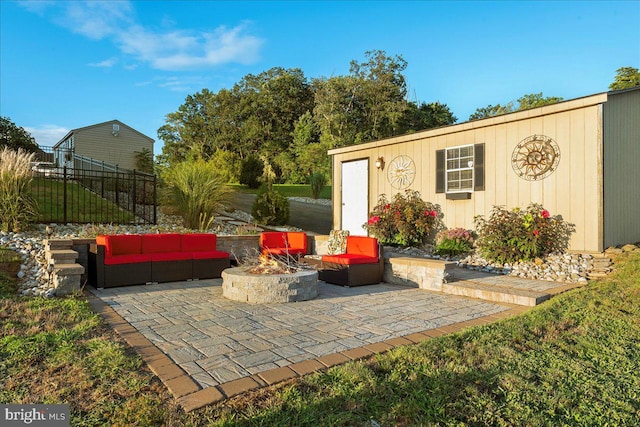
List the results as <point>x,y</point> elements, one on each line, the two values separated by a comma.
<point>455,241</point>
<point>317,181</point>
<point>251,171</point>
<point>270,207</point>
<point>510,236</point>
<point>405,221</point>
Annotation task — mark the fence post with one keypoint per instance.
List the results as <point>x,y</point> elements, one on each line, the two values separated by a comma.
<point>64,193</point>
<point>155,199</point>
<point>117,189</point>
<point>135,195</point>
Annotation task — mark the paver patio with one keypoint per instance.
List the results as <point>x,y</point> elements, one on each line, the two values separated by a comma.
<point>226,347</point>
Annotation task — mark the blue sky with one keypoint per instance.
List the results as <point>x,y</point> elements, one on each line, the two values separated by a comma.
<point>69,64</point>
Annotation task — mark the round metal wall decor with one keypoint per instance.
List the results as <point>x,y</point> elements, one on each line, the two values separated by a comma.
<point>401,172</point>
<point>535,157</point>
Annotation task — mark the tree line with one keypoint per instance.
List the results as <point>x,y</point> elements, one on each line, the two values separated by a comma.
<point>287,122</point>
<point>282,122</point>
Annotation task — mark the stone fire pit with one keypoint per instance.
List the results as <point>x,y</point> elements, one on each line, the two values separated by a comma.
<point>239,284</point>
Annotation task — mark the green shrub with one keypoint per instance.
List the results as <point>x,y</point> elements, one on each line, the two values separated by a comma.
<point>454,242</point>
<point>270,207</point>
<point>521,235</point>
<point>251,171</point>
<point>18,207</point>
<point>196,190</point>
<point>317,182</point>
<point>406,221</point>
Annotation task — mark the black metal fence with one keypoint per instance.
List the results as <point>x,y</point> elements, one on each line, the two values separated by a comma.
<point>94,196</point>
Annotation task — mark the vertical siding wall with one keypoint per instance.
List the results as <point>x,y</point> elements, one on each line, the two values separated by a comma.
<point>98,143</point>
<point>622,168</point>
<point>574,190</point>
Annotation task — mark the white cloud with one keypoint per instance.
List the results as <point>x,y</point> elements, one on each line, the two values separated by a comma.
<point>182,84</point>
<point>166,50</point>
<point>107,63</point>
<point>47,135</point>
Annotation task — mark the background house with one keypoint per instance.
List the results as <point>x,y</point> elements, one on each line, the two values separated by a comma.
<point>579,159</point>
<point>112,142</point>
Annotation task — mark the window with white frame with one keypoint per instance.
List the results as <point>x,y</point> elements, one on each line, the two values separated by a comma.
<point>459,169</point>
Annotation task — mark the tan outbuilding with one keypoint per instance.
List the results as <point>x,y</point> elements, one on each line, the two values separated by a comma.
<point>579,159</point>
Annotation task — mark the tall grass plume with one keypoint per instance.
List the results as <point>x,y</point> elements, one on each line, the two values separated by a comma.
<point>18,208</point>
<point>197,191</point>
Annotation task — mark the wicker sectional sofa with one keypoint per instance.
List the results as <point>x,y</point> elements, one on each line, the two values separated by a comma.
<point>133,259</point>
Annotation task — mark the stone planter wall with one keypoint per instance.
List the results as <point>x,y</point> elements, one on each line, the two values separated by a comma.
<point>428,274</point>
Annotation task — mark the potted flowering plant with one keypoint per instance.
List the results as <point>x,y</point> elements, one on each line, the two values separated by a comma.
<point>407,220</point>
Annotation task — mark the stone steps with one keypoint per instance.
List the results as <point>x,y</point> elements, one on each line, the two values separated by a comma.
<point>496,293</point>
<point>66,273</point>
<point>602,266</point>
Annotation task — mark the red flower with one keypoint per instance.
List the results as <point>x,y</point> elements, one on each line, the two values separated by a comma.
<point>373,220</point>
<point>386,207</point>
<point>545,214</point>
<point>433,214</point>
<point>536,233</point>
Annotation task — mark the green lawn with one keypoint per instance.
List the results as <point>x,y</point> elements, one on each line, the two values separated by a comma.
<point>287,190</point>
<point>83,206</point>
<point>571,361</point>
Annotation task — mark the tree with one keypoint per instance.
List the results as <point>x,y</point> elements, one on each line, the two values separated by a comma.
<point>383,88</point>
<point>15,137</point>
<point>144,160</point>
<point>532,100</point>
<point>426,116</point>
<point>626,77</point>
<point>363,106</point>
<point>256,116</point>
<point>491,111</point>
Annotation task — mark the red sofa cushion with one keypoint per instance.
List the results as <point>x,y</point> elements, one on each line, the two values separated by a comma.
<point>170,256</point>
<point>158,243</point>
<point>297,240</point>
<point>283,242</point>
<point>120,244</point>
<point>273,240</point>
<point>349,259</point>
<point>362,245</point>
<point>127,259</point>
<point>199,242</point>
<point>284,251</point>
<point>209,254</point>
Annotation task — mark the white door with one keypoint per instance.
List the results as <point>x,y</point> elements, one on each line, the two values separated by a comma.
<point>355,196</point>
